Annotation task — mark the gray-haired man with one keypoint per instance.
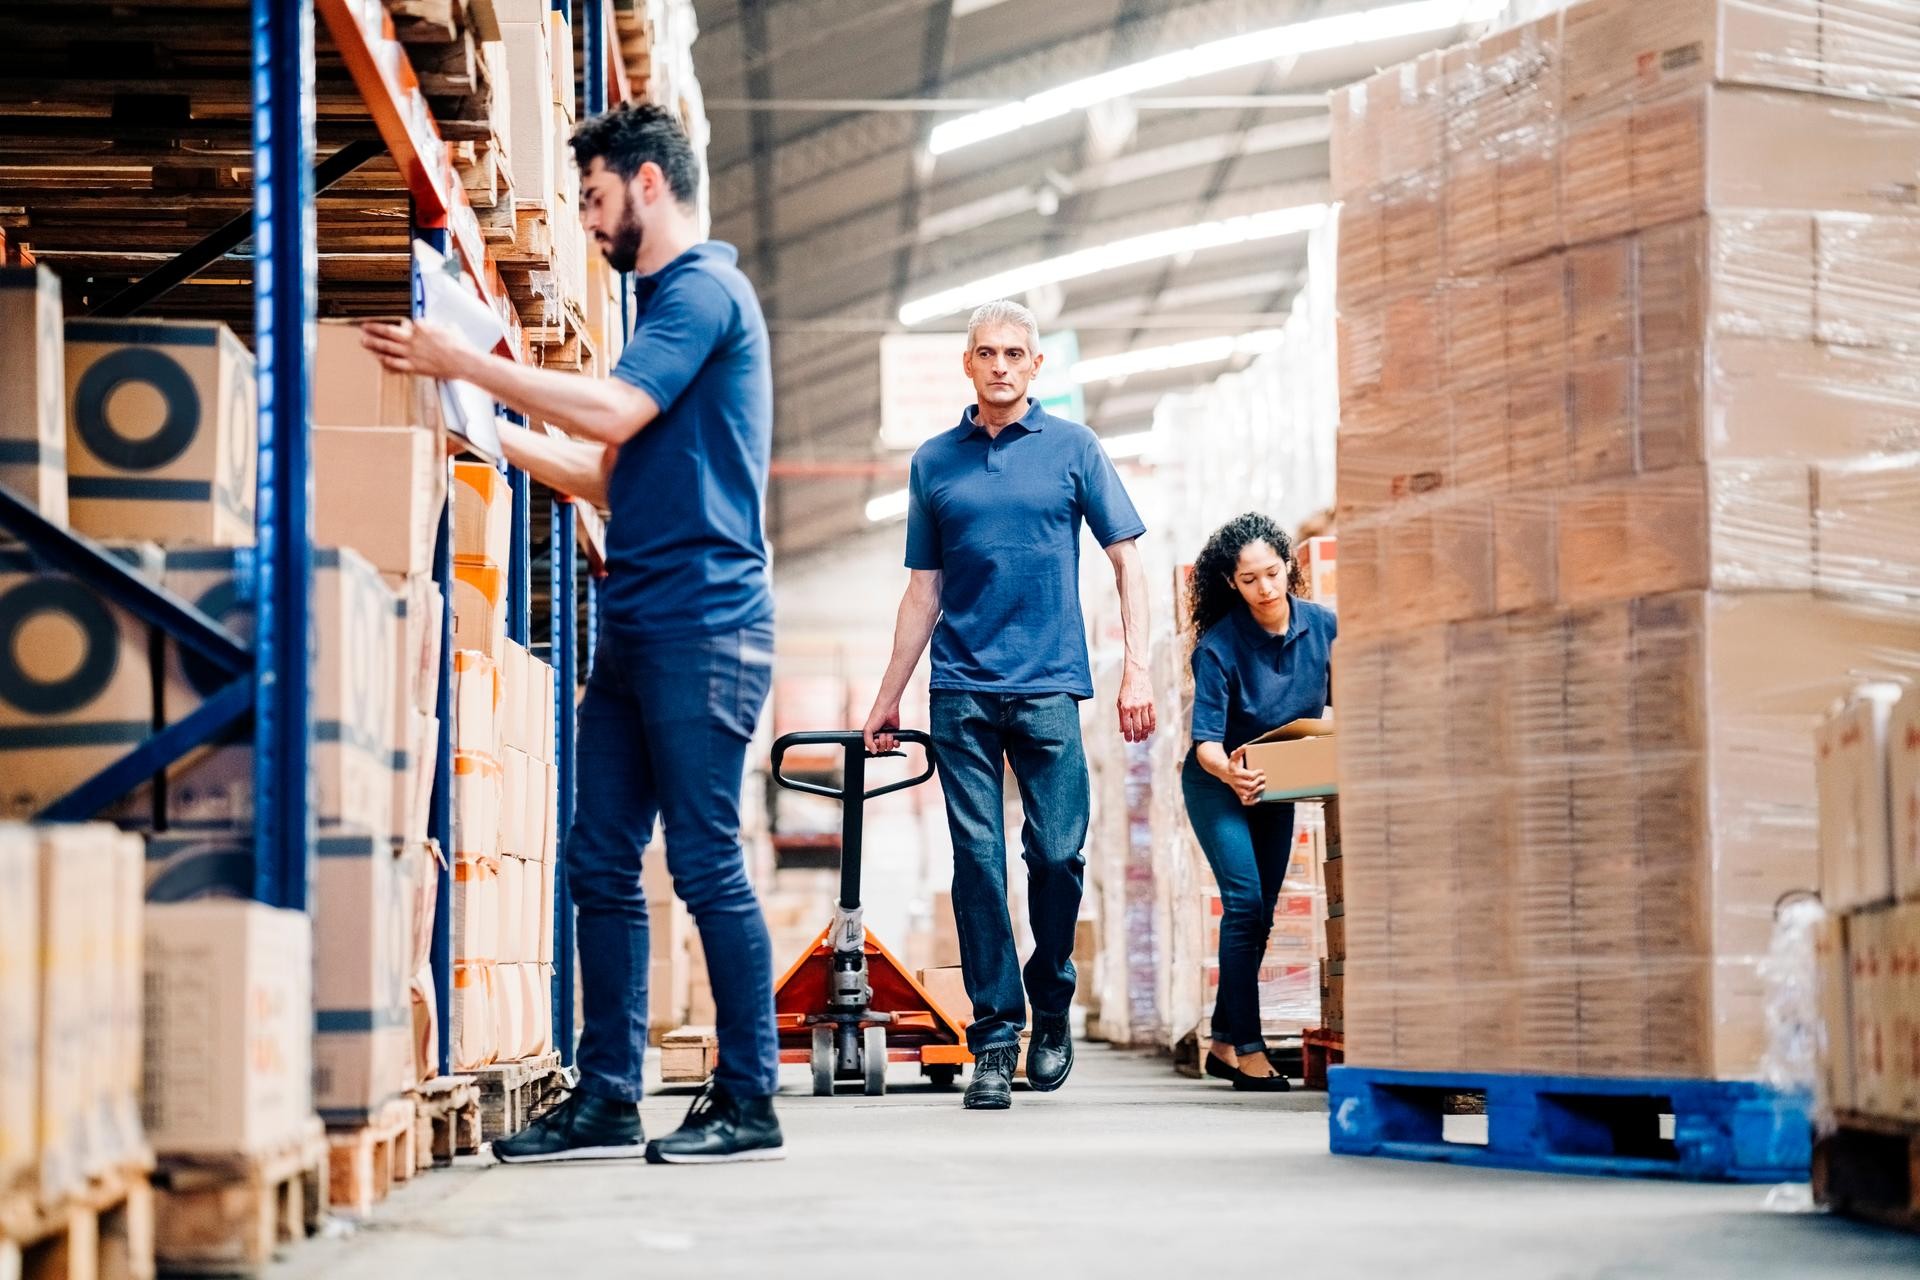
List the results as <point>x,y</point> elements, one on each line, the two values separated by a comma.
<point>993,543</point>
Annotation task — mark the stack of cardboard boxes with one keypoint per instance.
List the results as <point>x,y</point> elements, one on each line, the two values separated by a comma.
<point>1624,305</point>
<point>1868,947</point>
<point>505,789</point>
<point>536,53</point>
<point>71,1058</point>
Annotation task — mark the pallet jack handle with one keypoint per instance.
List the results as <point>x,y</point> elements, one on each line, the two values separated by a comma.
<point>852,793</point>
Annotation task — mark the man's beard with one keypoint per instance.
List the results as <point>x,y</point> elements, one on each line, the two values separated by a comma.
<point>623,248</point>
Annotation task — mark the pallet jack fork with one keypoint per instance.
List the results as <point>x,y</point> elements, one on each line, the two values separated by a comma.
<point>847,1007</point>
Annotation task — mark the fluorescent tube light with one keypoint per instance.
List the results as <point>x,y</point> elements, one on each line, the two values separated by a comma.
<point>1129,252</point>
<point>1178,355</point>
<point>1132,445</point>
<point>1318,35</point>
<point>888,506</point>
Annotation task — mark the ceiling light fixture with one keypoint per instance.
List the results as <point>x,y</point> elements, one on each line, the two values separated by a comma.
<point>1133,445</point>
<point>1318,35</point>
<point>1119,253</point>
<point>888,506</point>
<point>1178,355</point>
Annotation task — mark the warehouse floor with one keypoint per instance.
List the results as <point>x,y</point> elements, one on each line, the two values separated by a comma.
<point>1129,1171</point>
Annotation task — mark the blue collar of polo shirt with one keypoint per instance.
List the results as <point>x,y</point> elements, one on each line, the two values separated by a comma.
<point>1032,420</point>
<point>717,250</point>
<point>1256,634</point>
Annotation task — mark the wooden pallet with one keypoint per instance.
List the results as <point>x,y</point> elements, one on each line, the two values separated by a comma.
<point>365,1161</point>
<point>1320,1048</point>
<point>689,1055</point>
<point>446,1120</point>
<point>1722,1130</point>
<point>1869,1167</point>
<point>103,1231</point>
<point>229,1214</point>
<point>515,1094</point>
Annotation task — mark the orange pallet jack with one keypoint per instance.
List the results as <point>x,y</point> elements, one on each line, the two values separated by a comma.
<point>847,1007</point>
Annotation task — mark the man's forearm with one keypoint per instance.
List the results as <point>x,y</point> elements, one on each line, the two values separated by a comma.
<point>1130,576</point>
<point>912,629</point>
<point>600,409</point>
<point>573,467</point>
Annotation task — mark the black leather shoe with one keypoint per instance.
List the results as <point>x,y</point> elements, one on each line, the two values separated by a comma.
<point>1049,1052</point>
<point>991,1088</point>
<point>1244,1082</point>
<point>581,1128</point>
<point>721,1129</point>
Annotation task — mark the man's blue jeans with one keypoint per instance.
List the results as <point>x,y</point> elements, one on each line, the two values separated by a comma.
<point>973,733</point>
<point>663,733</point>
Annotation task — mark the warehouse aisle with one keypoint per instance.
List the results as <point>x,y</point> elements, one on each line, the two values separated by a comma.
<point>1127,1172</point>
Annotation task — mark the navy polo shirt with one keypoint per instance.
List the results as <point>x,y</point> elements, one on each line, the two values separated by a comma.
<point>1246,681</point>
<point>1000,519</point>
<point>686,553</point>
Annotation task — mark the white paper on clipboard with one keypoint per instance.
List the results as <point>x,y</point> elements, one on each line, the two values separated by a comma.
<point>450,301</point>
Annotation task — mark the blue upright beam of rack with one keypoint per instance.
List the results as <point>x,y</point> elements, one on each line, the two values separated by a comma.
<point>519,559</point>
<point>286,285</point>
<point>440,815</point>
<point>565,682</point>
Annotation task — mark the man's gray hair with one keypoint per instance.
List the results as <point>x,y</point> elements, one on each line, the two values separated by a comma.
<point>1004,311</point>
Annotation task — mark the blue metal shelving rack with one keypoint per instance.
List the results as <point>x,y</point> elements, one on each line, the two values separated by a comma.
<point>270,681</point>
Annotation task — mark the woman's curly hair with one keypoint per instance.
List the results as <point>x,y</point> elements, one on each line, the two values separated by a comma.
<point>1214,595</point>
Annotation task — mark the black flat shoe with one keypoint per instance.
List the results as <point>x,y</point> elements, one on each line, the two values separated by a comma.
<point>1244,1082</point>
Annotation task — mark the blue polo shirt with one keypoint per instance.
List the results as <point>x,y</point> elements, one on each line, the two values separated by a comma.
<point>1000,519</point>
<point>1246,682</point>
<point>686,554</point>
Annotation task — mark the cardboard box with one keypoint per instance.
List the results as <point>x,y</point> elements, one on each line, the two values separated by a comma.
<point>77,688</point>
<point>201,862</point>
<point>513,811</point>
<point>1852,779</point>
<point>513,698</point>
<point>33,421</point>
<point>1869,960</point>
<point>20,984</point>
<point>1303,768</point>
<point>532,872</point>
<point>476,698</point>
<point>479,796</point>
<point>509,900</point>
<point>476,911</point>
<point>161,432</point>
<point>363,947</point>
<point>1867,529</point>
<point>550,844</point>
<point>482,515</point>
<point>1836,1014</point>
<point>423,624</point>
<point>473,1039</point>
<point>379,490</point>
<point>413,779</point>
<point>229,1026</point>
<point>359,701</point>
<point>948,988</point>
<point>480,609</point>
<point>1903,780</point>
<point>1621,51</point>
<point>544,920</point>
<point>1319,559</point>
<point>351,388</point>
<point>532,136</point>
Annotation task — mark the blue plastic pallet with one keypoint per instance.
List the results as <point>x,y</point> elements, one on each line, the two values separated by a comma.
<point>1722,1131</point>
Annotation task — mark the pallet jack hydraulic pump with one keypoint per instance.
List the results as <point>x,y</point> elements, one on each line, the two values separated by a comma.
<point>846,1006</point>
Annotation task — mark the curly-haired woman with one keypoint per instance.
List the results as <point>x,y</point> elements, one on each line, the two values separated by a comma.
<point>1262,658</point>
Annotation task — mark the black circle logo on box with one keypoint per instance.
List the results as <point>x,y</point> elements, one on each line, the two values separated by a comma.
<point>163,374</point>
<point>100,646</point>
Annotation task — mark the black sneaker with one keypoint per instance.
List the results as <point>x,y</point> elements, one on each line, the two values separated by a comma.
<point>991,1088</point>
<point>1050,1052</point>
<point>721,1128</point>
<point>581,1128</point>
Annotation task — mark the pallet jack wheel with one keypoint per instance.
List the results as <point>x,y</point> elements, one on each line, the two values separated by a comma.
<point>873,1056</point>
<point>943,1076</point>
<point>822,1062</point>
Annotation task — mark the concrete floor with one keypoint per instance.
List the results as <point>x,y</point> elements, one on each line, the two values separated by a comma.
<point>1128,1171</point>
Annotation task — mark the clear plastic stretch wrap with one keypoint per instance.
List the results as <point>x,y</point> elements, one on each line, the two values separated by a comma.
<point>1629,493</point>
